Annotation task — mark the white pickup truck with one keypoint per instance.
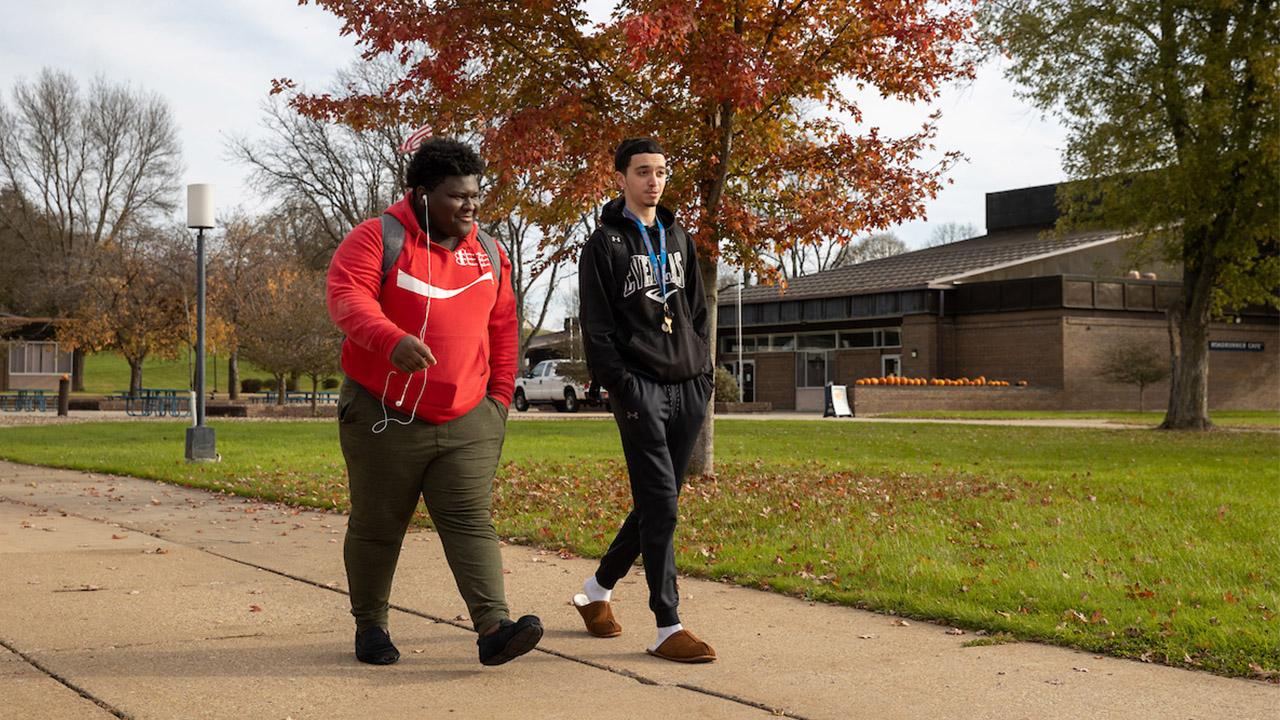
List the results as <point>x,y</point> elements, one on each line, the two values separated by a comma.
<point>542,385</point>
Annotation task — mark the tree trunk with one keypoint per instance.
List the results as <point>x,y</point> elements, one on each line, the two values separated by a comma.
<point>233,374</point>
<point>703,461</point>
<point>77,370</point>
<point>135,375</point>
<point>1189,343</point>
<point>315,388</point>
<point>280,389</point>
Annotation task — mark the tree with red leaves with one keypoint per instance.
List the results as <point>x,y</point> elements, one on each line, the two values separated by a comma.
<point>755,101</point>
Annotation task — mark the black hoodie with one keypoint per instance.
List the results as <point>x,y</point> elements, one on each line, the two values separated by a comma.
<point>621,306</point>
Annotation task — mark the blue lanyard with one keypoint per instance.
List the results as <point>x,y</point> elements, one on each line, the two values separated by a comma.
<point>658,262</point>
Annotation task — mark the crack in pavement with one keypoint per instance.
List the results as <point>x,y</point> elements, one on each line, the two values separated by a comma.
<point>621,672</point>
<point>65,682</point>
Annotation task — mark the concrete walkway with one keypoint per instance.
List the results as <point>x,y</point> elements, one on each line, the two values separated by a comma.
<point>134,599</point>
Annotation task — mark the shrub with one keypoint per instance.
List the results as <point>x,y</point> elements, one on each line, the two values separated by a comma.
<point>330,383</point>
<point>726,387</point>
<point>251,385</point>
<point>291,385</point>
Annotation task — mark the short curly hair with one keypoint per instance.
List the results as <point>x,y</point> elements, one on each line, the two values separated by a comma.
<point>440,158</point>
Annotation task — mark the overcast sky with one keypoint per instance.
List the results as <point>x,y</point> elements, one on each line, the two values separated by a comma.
<point>214,62</point>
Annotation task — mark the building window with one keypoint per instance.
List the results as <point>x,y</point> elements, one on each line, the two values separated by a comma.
<point>730,344</point>
<point>813,369</point>
<point>858,339</point>
<point>39,358</point>
<point>825,341</point>
<point>913,301</point>
<point>878,338</point>
<point>782,342</point>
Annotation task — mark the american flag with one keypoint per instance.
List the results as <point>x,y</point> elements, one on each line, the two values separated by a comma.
<point>414,141</point>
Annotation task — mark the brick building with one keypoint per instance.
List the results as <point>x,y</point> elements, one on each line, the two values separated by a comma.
<point>1017,304</point>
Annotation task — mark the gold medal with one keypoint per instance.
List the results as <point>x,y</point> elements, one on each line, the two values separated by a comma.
<point>666,325</point>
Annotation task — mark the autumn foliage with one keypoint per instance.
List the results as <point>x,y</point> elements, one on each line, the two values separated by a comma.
<point>756,103</point>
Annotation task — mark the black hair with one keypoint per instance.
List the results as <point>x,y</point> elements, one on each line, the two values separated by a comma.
<point>440,158</point>
<point>634,146</point>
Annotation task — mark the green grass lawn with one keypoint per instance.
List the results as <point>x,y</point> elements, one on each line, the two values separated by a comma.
<point>1136,543</point>
<point>106,373</point>
<point>1222,418</point>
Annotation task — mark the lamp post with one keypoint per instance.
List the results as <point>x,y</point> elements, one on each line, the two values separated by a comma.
<point>201,443</point>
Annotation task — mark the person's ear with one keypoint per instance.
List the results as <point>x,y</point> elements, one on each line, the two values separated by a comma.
<point>620,180</point>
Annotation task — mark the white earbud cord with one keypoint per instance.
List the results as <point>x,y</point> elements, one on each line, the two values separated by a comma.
<point>386,420</point>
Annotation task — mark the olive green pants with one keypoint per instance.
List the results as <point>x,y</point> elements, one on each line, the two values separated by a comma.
<point>450,466</point>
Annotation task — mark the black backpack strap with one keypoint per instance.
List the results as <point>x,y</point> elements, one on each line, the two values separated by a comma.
<point>392,242</point>
<point>491,249</point>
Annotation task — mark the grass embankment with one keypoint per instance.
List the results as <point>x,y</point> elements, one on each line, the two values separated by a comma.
<point>1223,418</point>
<point>1140,544</point>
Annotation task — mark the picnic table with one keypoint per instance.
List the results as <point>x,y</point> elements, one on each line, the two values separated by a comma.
<point>27,401</point>
<point>297,397</point>
<point>158,402</point>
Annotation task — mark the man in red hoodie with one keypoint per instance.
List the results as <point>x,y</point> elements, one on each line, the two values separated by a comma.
<point>430,361</point>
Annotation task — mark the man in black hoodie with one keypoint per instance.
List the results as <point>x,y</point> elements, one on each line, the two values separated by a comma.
<point>646,336</point>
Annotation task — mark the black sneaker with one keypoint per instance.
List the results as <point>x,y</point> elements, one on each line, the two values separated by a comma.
<point>510,640</point>
<point>373,646</point>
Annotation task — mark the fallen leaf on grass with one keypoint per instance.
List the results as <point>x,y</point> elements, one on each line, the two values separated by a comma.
<point>118,537</point>
<point>155,501</point>
<point>255,608</point>
<point>1262,672</point>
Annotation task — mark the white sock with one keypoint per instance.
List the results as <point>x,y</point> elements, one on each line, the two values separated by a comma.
<point>666,632</point>
<point>595,591</point>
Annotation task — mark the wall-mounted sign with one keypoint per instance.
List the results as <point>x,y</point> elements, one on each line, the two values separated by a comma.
<point>1236,345</point>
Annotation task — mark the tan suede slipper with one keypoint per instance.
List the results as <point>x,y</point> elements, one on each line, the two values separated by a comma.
<point>684,647</point>
<point>598,616</point>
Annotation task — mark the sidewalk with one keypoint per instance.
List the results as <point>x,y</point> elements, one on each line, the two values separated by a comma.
<point>130,598</point>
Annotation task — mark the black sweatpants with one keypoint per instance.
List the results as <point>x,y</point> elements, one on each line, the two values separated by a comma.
<point>659,424</point>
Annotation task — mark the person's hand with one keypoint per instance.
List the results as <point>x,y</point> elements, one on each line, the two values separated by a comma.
<point>411,355</point>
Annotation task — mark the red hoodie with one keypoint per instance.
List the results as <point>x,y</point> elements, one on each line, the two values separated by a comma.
<point>471,329</point>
